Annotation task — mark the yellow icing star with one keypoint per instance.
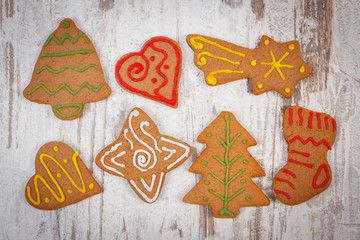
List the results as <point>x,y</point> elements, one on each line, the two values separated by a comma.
<point>276,65</point>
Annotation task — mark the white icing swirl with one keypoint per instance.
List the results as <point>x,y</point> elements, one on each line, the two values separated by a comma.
<point>142,160</point>
<point>147,158</point>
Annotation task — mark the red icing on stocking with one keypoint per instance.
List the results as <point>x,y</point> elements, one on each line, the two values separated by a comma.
<point>307,173</point>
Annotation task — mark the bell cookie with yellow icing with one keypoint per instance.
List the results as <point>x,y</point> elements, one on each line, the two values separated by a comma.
<point>143,156</point>
<point>68,73</point>
<point>61,178</point>
<point>272,66</point>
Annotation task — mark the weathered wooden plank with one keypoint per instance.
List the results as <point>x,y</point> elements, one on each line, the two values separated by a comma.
<point>329,35</point>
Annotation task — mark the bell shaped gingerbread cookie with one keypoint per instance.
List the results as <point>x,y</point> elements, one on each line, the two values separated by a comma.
<point>61,178</point>
<point>154,72</point>
<point>143,156</point>
<point>68,73</point>
<point>273,65</point>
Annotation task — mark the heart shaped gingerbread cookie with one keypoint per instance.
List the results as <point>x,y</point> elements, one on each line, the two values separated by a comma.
<point>153,72</point>
<point>61,178</point>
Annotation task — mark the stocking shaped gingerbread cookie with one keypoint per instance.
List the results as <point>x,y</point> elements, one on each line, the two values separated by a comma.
<point>68,73</point>
<point>143,156</point>
<point>154,72</point>
<point>307,173</point>
<point>61,178</point>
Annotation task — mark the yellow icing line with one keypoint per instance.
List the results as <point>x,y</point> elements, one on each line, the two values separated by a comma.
<point>211,79</point>
<point>276,65</point>
<point>202,60</point>
<point>60,198</point>
<point>198,45</point>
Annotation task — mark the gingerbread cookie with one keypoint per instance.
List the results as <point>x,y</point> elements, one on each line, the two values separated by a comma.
<point>307,173</point>
<point>68,73</point>
<point>227,168</point>
<point>143,156</point>
<point>154,72</point>
<point>273,65</point>
<point>61,178</point>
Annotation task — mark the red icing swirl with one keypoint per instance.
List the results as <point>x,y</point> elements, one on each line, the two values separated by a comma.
<point>137,68</point>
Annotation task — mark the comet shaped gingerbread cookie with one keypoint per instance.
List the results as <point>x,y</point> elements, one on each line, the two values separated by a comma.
<point>273,66</point>
<point>143,156</point>
<point>154,72</point>
<point>68,73</point>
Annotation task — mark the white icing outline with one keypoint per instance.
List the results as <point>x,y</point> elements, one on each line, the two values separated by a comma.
<point>180,145</point>
<point>146,186</point>
<point>147,199</point>
<point>171,152</point>
<point>136,114</point>
<point>113,148</point>
<point>131,143</point>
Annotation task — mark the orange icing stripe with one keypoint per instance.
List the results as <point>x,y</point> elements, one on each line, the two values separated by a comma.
<point>60,198</point>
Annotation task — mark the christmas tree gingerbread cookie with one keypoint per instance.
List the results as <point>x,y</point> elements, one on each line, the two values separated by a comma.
<point>307,173</point>
<point>61,178</point>
<point>68,73</point>
<point>227,168</point>
<point>273,65</point>
<point>143,156</point>
<point>154,72</point>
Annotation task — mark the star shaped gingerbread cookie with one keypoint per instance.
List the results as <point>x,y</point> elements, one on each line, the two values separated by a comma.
<point>272,66</point>
<point>143,156</point>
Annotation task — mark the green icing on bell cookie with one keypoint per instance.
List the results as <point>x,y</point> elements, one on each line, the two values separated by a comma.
<point>66,24</point>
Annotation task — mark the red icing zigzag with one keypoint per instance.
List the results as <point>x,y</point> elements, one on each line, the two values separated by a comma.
<point>137,68</point>
<point>311,139</point>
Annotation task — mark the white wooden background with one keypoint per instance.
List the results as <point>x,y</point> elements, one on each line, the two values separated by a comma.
<point>329,34</point>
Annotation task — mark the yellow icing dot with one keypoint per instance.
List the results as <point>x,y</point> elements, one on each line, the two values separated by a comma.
<point>69,191</point>
<point>302,69</point>
<point>260,85</point>
<point>47,200</point>
<point>267,42</point>
<point>91,185</point>
<point>253,63</point>
<point>58,175</point>
<point>56,148</point>
<point>291,46</point>
<point>287,90</point>
<point>65,161</point>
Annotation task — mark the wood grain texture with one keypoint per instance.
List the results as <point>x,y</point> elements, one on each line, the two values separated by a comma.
<point>328,32</point>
